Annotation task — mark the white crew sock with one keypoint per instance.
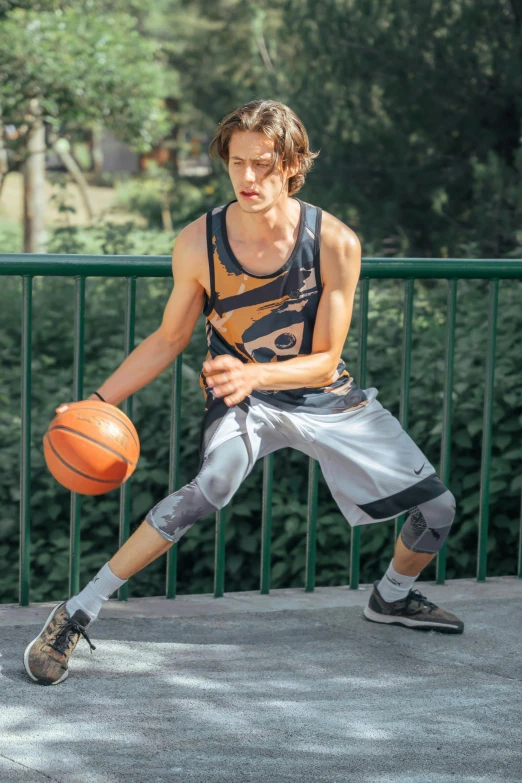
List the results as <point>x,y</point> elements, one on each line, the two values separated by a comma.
<point>90,599</point>
<point>394,586</point>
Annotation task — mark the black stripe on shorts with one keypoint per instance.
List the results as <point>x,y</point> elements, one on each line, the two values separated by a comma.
<point>427,489</point>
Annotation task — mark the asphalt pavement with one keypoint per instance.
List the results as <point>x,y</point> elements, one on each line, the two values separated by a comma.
<point>286,687</point>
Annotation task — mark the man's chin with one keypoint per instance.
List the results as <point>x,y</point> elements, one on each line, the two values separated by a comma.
<point>251,206</point>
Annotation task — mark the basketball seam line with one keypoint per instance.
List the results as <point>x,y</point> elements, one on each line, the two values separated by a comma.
<point>75,470</point>
<point>86,437</point>
<point>108,413</point>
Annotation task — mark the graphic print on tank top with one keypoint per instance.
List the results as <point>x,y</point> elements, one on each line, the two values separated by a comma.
<point>270,318</point>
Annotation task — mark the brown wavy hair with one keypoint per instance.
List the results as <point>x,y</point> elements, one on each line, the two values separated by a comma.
<point>279,123</point>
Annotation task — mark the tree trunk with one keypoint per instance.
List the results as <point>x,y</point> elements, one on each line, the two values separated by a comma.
<point>4,167</point>
<point>61,147</point>
<point>34,183</point>
<point>96,148</point>
<point>165,213</point>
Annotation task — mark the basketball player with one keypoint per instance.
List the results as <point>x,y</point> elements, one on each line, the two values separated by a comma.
<point>275,278</point>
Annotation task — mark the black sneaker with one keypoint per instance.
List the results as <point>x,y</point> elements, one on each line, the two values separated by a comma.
<point>414,611</point>
<point>46,658</point>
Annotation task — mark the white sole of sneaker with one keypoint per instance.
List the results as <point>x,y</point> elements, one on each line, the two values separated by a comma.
<point>28,650</point>
<point>410,623</point>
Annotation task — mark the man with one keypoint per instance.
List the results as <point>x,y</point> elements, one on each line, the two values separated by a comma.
<point>276,279</point>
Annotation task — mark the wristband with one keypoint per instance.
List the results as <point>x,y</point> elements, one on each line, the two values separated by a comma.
<point>99,395</point>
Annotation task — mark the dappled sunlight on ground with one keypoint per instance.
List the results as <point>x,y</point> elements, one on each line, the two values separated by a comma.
<point>306,696</point>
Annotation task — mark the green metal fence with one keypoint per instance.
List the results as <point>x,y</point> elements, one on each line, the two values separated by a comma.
<point>132,267</point>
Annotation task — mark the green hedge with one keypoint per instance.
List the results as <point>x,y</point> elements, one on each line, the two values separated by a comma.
<point>52,360</point>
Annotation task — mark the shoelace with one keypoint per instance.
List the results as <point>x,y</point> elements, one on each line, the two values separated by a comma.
<point>63,638</point>
<point>416,595</point>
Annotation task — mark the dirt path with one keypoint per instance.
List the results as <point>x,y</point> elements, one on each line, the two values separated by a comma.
<point>103,201</point>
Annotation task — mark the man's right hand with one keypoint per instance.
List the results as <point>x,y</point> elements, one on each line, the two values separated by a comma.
<point>65,405</point>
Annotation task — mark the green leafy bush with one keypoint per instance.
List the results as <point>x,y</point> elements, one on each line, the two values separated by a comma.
<point>10,237</point>
<point>110,238</point>
<point>53,317</point>
<point>184,200</point>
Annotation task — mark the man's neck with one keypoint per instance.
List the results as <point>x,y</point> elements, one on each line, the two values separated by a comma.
<point>277,222</point>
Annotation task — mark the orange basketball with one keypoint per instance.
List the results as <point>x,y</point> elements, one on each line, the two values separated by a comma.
<point>92,447</point>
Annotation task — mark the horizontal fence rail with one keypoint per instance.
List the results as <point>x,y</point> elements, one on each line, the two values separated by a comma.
<point>131,267</point>
<point>160,266</point>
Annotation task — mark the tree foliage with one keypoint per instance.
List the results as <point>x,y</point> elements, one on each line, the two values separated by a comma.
<point>416,110</point>
<point>408,100</point>
<point>81,68</point>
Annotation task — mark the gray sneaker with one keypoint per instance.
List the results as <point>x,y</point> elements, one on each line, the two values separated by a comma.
<point>46,658</point>
<point>414,611</point>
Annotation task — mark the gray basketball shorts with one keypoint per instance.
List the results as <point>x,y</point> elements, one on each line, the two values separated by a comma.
<point>372,467</point>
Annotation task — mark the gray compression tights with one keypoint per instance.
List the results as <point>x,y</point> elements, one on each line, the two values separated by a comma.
<point>428,524</point>
<point>218,479</point>
<point>424,531</point>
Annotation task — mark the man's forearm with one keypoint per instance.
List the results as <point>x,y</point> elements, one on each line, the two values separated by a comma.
<point>141,366</point>
<point>314,370</point>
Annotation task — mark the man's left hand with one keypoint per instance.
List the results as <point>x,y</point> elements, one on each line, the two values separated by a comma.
<point>230,378</point>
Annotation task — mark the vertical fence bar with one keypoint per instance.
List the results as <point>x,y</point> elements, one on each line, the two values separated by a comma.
<point>25,446</point>
<point>311,524</point>
<point>355,545</point>
<point>519,569</point>
<point>447,411</point>
<point>404,408</point>
<point>219,553</point>
<point>266,523</point>
<point>125,497</point>
<point>175,438</point>
<point>74,535</point>
<point>486,434</point>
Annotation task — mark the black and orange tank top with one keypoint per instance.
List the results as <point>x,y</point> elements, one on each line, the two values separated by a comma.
<point>270,318</point>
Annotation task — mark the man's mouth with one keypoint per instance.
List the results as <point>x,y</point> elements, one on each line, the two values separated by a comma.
<point>248,193</point>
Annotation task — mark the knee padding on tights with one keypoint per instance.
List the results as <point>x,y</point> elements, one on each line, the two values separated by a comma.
<point>218,479</point>
<point>223,471</point>
<point>428,524</point>
<point>175,514</point>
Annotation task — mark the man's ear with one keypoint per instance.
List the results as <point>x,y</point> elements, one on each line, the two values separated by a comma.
<point>291,172</point>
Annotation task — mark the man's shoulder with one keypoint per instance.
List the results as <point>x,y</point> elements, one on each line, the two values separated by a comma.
<point>340,250</point>
<point>189,255</point>
<point>191,242</point>
<point>335,234</point>
<point>193,232</point>
<point>196,231</point>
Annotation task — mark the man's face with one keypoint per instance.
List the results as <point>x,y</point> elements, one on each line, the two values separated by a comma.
<point>250,157</point>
